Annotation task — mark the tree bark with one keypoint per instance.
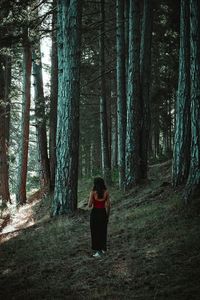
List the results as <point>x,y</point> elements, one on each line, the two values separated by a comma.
<point>106,162</point>
<point>126,36</point>
<point>133,98</point>
<point>8,67</point>
<point>121,90</point>
<point>67,141</point>
<point>193,181</point>
<point>4,175</point>
<point>145,79</point>
<point>53,100</point>
<point>182,139</point>
<point>26,99</point>
<point>40,118</point>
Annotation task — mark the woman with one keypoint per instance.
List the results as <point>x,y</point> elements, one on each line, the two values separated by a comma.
<point>100,203</point>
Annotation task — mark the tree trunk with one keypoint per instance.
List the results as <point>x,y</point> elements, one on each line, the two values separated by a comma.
<point>53,100</point>
<point>23,151</point>
<point>114,148</point>
<point>181,153</point>
<point>133,98</point>
<point>91,159</point>
<point>4,176</point>
<point>126,36</point>
<point>40,118</point>
<point>7,95</point>
<point>193,181</point>
<point>157,150</point>
<point>145,79</point>
<point>121,90</point>
<point>106,164</point>
<point>67,140</point>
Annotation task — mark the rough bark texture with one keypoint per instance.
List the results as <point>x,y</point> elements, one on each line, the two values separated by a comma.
<point>67,142</point>
<point>7,95</point>
<point>106,162</point>
<point>4,177</point>
<point>133,97</point>
<point>24,143</point>
<point>193,181</point>
<point>126,29</point>
<point>40,118</point>
<point>145,78</point>
<point>53,100</point>
<point>181,153</point>
<point>121,90</point>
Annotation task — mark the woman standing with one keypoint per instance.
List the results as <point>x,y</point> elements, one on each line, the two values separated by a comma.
<point>100,203</point>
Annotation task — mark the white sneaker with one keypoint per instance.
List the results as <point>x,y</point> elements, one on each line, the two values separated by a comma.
<point>97,255</point>
<point>103,251</point>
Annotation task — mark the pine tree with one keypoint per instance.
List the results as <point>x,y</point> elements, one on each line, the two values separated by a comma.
<point>40,117</point>
<point>193,181</point>
<point>24,143</point>
<point>133,97</point>
<point>67,146</point>
<point>145,79</point>
<point>121,89</point>
<point>181,153</point>
<point>53,99</point>
<point>4,177</point>
<point>105,153</point>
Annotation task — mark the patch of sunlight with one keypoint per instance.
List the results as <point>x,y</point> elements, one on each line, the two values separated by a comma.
<point>6,237</point>
<point>151,253</point>
<point>20,218</point>
<point>6,271</point>
<point>32,191</point>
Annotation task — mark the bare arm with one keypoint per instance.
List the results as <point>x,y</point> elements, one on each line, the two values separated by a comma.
<point>90,201</point>
<point>108,204</point>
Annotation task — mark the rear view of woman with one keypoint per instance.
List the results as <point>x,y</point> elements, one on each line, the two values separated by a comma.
<point>100,203</point>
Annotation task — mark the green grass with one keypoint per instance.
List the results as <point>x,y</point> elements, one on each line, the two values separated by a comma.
<point>153,251</point>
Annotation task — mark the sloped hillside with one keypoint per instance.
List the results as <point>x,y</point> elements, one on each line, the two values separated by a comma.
<point>153,248</point>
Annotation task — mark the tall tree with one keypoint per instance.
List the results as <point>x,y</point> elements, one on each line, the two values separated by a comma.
<point>181,153</point>
<point>8,69</point>
<point>106,161</point>
<point>145,79</point>
<point>40,117</point>
<point>121,89</point>
<point>193,181</point>
<point>67,146</point>
<point>26,99</point>
<point>133,97</point>
<point>4,176</point>
<point>126,34</point>
<point>53,98</point>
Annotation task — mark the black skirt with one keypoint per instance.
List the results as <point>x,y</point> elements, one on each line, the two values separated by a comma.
<point>98,226</point>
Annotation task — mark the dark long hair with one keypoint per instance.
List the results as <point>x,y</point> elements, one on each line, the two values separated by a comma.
<point>99,186</point>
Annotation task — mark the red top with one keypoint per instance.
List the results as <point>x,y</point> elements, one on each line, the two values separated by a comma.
<point>99,203</point>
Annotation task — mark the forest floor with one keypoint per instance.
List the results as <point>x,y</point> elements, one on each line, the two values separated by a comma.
<point>153,248</point>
